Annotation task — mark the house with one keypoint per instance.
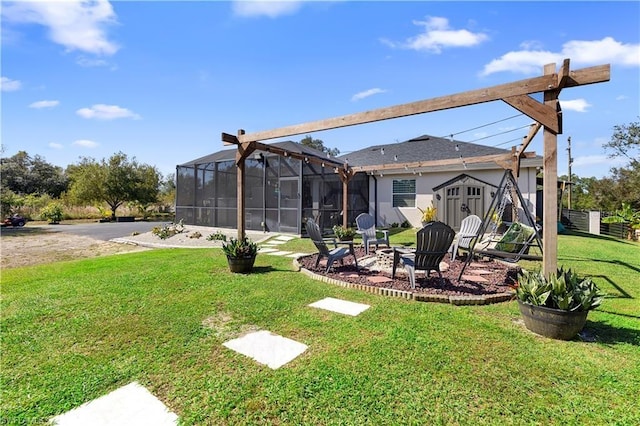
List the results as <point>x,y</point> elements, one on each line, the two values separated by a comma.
<point>407,177</point>
<point>393,182</point>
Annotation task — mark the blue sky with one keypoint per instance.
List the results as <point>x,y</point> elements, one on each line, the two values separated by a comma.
<point>161,80</point>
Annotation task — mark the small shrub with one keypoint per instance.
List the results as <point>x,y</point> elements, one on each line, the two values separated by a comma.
<point>429,214</point>
<point>52,212</point>
<point>344,233</point>
<point>405,224</point>
<point>217,236</point>
<point>195,234</point>
<point>395,225</point>
<point>168,231</point>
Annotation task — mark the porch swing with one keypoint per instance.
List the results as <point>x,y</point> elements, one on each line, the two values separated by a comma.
<point>514,243</point>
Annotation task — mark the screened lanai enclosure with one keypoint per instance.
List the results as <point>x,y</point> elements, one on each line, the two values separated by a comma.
<point>281,191</point>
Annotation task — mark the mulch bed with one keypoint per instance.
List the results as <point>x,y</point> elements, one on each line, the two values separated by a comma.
<point>501,279</point>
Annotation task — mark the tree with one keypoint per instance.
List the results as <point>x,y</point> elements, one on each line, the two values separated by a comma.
<point>625,142</point>
<point>114,181</point>
<point>319,145</point>
<point>25,175</point>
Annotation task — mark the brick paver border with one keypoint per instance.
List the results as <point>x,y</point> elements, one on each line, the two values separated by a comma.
<point>418,297</point>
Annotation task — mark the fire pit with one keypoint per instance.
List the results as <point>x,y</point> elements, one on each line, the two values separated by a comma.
<point>384,258</point>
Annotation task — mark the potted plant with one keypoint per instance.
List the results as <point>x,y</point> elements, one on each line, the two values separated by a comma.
<point>429,214</point>
<point>241,254</point>
<point>556,306</point>
<point>344,233</point>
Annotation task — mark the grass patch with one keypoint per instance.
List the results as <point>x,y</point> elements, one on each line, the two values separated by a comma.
<point>73,331</point>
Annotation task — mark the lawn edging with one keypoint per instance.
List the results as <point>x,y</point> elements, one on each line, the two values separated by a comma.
<point>418,297</point>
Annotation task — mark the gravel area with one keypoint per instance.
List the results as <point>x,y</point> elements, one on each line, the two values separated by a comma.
<point>499,276</point>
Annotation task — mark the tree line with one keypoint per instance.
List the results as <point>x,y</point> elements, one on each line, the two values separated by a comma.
<point>33,183</point>
<point>118,180</point>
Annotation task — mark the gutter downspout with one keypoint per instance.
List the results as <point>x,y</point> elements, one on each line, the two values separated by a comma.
<point>375,200</point>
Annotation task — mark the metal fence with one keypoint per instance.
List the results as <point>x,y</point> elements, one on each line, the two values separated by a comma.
<point>577,220</point>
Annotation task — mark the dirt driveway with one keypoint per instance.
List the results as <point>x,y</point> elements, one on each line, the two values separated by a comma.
<point>37,245</point>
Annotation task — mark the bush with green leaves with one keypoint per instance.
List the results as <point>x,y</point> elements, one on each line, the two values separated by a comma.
<point>344,232</point>
<point>52,212</point>
<point>167,231</point>
<point>563,290</point>
<point>217,236</point>
<point>240,248</point>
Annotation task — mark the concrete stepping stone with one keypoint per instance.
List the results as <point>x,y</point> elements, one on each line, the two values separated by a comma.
<point>340,306</point>
<point>280,253</point>
<point>297,255</point>
<point>276,242</point>
<point>130,405</point>
<point>266,249</point>
<point>379,279</point>
<point>475,278</point>
<point>267,348</point>
<point>285,237</point>
<point>480,272</point>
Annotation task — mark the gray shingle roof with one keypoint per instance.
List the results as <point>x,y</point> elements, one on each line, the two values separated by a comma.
<point>230,154</point>
<point>422,148</point>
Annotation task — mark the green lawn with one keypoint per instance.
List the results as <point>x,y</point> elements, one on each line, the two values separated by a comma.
<point>73,331</point>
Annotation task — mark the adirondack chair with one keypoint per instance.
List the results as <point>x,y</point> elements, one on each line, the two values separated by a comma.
<point>367,229</point>
<point>332,254</point>
<point>469,228</point>
<point>433,242</point>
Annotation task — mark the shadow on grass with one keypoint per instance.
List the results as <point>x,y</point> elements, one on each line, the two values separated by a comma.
<point>624,294</point>
<point>604,333</point>
<point>597,237</point>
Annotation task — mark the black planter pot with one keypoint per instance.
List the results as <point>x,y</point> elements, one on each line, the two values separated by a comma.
<point>241,265</point>
<point>553,323</point>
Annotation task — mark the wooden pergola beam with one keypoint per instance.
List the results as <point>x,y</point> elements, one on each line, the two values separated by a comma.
<point>493,158</point>
<point>522,87</point>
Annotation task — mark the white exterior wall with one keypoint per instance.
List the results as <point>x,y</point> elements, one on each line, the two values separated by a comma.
<point>387,214</point>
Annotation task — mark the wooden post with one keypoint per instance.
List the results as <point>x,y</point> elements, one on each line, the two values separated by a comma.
<point>240,214</point>
<point>550,187</point>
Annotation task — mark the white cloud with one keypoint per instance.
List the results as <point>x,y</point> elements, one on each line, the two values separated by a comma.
<point>85,143</point>
<point>532,58</point>
<point>55,145</point>
<point>366,94</point>
<point>621,97</point>
<point>271,9</point>
<point>75,24</point>
<point>438,35</point>
<point>579,105</point>
<point>106,112</point>
<point>8,85</point>
<point>44,104</point>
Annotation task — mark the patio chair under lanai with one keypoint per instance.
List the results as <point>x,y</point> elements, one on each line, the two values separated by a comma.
<point>433,242</point>
<point>332,254</point>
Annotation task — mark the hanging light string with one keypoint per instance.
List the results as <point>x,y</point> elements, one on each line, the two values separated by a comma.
<point>484,125</point>
<point>501,133</point>
<point>509,141</point>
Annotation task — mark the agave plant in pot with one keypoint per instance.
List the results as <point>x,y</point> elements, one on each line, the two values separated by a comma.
<point>557,305</point>
<point>241,254</point>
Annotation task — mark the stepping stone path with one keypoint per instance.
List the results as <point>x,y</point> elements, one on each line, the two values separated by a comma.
<point>271,247</point>
<point>135,405</point>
